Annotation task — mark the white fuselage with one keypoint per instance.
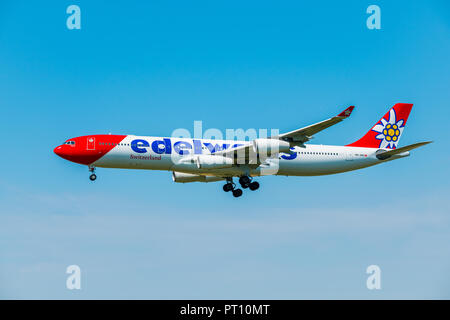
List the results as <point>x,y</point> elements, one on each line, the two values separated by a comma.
<point>166,153</point>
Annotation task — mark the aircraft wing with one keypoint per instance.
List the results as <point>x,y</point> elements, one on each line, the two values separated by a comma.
<point>305,134</point>
<point>246,153</point>
<point>387,154</point>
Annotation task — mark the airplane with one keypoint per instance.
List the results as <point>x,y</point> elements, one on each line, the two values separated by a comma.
<point>205,160</point>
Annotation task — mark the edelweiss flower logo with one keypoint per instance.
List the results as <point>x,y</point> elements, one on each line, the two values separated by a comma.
<point>389,131</point>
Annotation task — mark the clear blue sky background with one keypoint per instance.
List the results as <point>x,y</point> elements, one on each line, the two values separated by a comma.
<point>149,68</point>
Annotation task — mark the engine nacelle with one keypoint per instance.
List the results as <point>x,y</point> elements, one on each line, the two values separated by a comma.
<point>188,177</point>
<point>213,162</point>
<point>269,147</point>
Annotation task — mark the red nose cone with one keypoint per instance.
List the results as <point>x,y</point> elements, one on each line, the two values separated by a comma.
<point>58,150</point>
<point>61,151</point>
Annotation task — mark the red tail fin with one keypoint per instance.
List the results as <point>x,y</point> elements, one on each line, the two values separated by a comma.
<point>387,131</point>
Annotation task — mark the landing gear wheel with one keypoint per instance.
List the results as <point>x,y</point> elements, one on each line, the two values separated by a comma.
<point>237,193</point>
<point>93,177</point>
<point>244,181</point>
<point>254,186</point>
<point>227,187</point>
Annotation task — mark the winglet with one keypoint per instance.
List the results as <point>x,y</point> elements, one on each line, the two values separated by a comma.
<point>346,113</point>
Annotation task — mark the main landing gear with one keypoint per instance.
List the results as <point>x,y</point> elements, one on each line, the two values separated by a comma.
<point>231,186</point>
<point>93,176</point>
<point>244,181</point>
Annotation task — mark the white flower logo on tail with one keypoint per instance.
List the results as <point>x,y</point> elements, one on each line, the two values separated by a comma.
<point>389,131</point>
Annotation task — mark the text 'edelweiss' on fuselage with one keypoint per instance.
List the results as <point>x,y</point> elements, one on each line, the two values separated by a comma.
<point>203,160</point>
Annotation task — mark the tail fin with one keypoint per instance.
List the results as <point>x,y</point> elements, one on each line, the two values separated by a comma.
<point>386,133</point>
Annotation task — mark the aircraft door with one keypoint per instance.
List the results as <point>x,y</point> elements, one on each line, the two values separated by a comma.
<point>90,143</point>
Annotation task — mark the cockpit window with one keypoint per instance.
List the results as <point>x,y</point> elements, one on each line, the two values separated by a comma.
<point>72,143</point>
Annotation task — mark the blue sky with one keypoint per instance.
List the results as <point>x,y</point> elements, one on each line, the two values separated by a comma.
<point>148,69</point>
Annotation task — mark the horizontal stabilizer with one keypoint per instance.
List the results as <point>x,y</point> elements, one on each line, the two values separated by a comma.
<point>387,154</point>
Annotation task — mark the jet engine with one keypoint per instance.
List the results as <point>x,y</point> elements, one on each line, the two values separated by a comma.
<point>213,162</point>
<point>270,146</point>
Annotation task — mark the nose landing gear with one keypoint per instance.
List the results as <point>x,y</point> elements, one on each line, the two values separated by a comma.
<point>93,176</point>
